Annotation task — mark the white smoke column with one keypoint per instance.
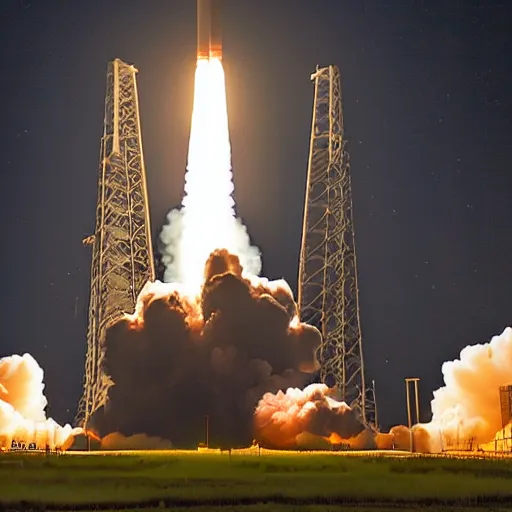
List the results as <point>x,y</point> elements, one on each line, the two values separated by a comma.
<point>469,403</point>
<point>22,405</point>
<point>207,219</point>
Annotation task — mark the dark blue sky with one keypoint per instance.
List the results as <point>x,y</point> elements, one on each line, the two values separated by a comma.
<point>428,116</point>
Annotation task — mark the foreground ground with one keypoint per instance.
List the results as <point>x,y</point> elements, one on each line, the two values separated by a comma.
<point>252,482</point>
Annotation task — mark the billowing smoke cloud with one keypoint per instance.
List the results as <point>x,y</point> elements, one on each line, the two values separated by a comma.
<point>238,353</point>
<point>174,232</point>
<point>180,359</point>
<point>283,419</point>
<point>466,410</point>
<point>402,438</point>
<point>468,405</point>
<point>22,406</point>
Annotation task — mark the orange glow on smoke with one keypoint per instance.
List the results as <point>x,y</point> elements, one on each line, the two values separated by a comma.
<point>92,435</point>
<point>335,439</point>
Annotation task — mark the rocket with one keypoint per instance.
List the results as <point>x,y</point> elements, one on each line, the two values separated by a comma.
<point>209,41</point>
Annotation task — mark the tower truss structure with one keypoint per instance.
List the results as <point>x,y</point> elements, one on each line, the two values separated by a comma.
<point>328,289</point>
<point>122,259</point>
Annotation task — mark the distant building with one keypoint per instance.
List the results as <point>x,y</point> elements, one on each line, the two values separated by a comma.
<point>506,404</point>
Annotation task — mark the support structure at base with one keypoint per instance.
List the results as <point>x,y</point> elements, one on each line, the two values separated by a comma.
<point>328,290</point>
<point>122,260</point>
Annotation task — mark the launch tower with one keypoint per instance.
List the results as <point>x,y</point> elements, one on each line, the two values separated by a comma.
<point>328,291</point>
<point>122,259</point>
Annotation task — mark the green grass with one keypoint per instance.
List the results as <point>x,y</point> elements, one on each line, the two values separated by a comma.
<point>284,481</point>
<point>273,507</point>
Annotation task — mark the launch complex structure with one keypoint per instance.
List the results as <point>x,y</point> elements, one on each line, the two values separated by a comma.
<point>122,259</point>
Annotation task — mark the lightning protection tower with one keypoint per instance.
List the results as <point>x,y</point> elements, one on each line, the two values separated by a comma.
<point>328,291</point>
<point>122,259</point>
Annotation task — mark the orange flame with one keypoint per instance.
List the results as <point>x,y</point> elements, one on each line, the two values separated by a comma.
<point>335,439</point>
<point>92,435</point>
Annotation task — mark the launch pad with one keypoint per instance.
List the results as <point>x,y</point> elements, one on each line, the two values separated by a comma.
<point>328,279</point>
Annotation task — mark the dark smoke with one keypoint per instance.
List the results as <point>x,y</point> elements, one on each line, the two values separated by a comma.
<point>117,441</point>
<point>178,360</point>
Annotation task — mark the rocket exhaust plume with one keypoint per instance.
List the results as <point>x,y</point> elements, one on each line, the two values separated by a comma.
<point>206,220</point>
<point>22,407</point>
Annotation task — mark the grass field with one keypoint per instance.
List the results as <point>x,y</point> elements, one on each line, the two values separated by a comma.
<point>280,482</point>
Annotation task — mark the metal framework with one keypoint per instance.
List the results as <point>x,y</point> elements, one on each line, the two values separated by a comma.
<point>328,291</point>
<point>122,260</point>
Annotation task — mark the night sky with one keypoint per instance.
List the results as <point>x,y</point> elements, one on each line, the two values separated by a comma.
<point>428,117</point>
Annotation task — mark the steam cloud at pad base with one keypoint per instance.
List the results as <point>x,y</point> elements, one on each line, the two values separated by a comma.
<point>22,408</point>
<point>466,410</point>
<point>179,359</point>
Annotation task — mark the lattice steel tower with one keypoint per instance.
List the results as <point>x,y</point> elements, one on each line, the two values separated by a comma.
<point>328,291</point>
<point>122,260</point>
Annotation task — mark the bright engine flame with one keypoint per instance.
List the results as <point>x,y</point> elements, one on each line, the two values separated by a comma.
<point>208,182</point>
<point>207,219</point>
